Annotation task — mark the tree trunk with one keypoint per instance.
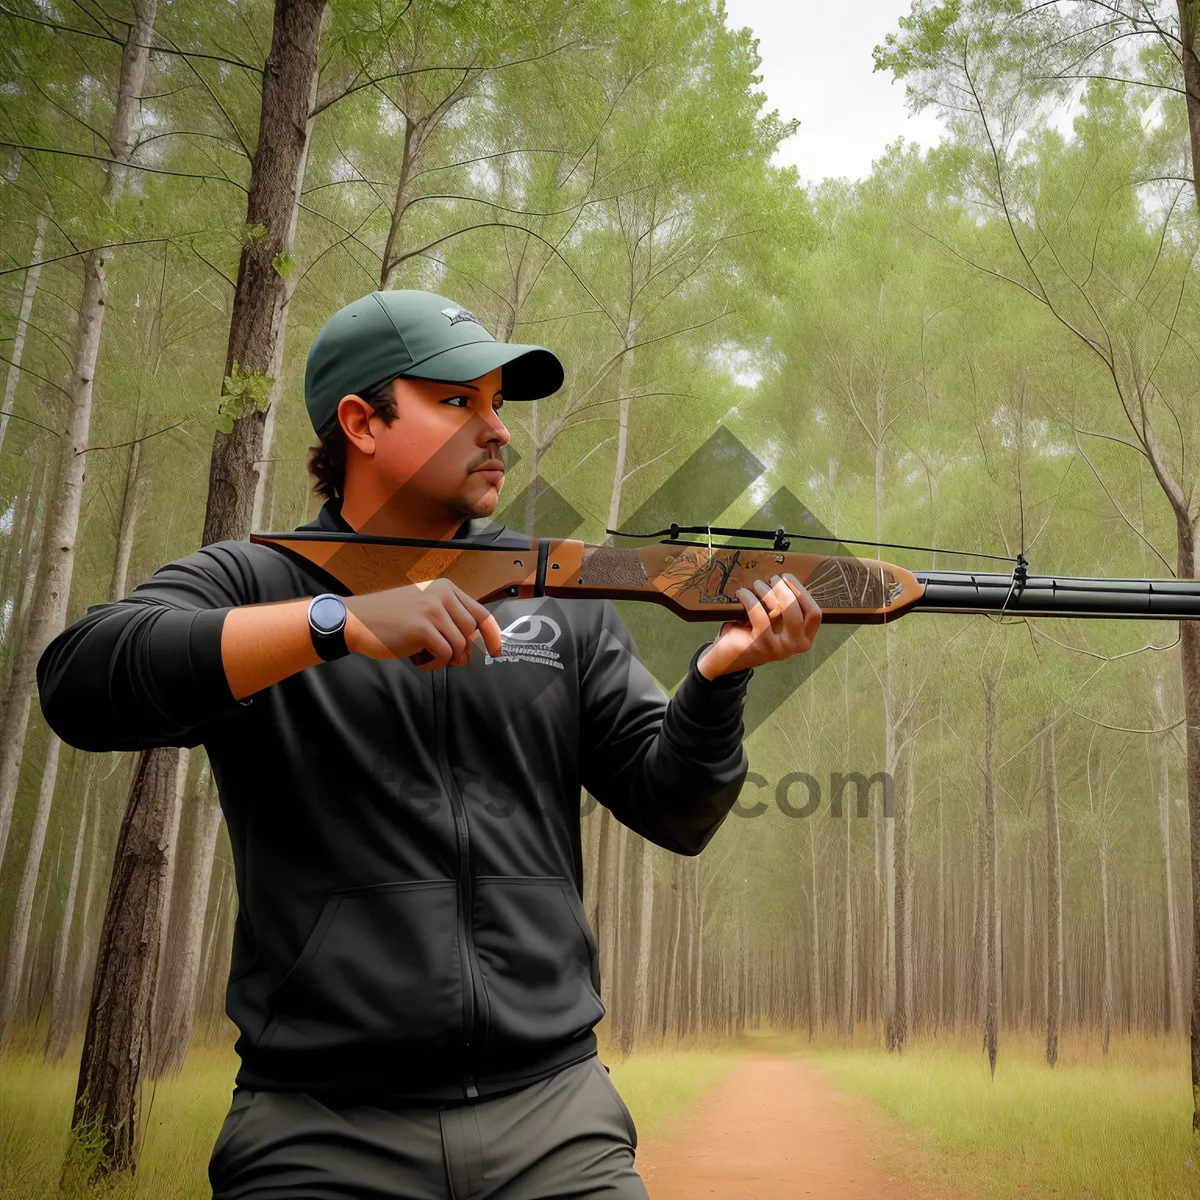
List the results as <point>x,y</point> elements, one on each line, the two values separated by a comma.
<point>992,935</point>
<point>606,931</point>
<point>1189,660</point>
<point>25,571</point>
<point>118,1024</point>
<point>1174,1005</point>
<point>82,971</point>
<point>1054,918</point>
<point>117,1033</point>
<point>208,970</point>
<point>53,587</point>
<point>848,941</point>
<point>1027,937</point>
<point>18,941</point>
<point>672,989</point>
<point>621,925</point>
<point>816,1017</point>
<point>1189,31</point>
<point>18,347</point>
<point>410,147</point>
<point>62,987</point>
<point>176,997</point>
<point>639,1016</point>
<point>170,918</point>
<point>941,913</point>
<point>1107,994</point>
<point>131,502</point>
<point>900,922</point>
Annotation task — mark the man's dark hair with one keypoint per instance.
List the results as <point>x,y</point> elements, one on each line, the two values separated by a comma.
<point>327,461</point>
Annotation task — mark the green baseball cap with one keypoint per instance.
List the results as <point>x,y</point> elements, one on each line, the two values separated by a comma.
<point>387,334</point>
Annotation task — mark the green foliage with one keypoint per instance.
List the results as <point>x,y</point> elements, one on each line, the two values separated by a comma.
<point>242,394</point>
<point>927,27</point>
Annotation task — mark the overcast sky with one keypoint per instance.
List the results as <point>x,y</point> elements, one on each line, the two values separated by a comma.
<point>817,66</point>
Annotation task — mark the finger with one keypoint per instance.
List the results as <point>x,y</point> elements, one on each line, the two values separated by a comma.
<point>768,598</point>
<point>760,623</point>
<point>437,653</point>
<point>484,622</point>
<point>465,621</point>
<point>789,603</point>
<point>446,626</point>
<point>812,610</point>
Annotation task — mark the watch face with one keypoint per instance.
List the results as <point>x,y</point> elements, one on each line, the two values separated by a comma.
<point>327,614</point>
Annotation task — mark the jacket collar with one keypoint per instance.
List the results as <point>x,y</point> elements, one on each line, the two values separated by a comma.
<point>477,529</point>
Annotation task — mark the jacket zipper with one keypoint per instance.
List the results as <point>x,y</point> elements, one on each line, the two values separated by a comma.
<point>466,941</point>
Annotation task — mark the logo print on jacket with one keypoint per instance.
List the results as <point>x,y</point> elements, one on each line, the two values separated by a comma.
<point>530,638</point>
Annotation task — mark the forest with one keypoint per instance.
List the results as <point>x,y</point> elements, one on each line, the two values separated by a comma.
<point>983,347</point>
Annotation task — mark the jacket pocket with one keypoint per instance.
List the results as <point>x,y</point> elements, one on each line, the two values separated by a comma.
<point>537,957</point>
<point>381,964</point>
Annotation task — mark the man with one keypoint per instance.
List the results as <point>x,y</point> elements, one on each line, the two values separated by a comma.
<point>413,976</point>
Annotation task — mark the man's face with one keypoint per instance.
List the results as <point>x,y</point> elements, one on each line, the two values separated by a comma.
<point>443,451</point>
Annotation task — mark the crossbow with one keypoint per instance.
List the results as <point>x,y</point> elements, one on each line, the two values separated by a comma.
<point>699,581</point>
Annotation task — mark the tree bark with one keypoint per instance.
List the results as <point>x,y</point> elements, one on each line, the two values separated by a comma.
<point>118,1024</point>
<point>18,941</point>
<point>1189,31</point>
<point>941,914</point>
<point>1173,1009</point>
<point>816,1017</point>
<point>1189,660</point>
<point>1027,935</point>
<point>53,587</point>
<point>675,924</point>
<point>60,984</point>
<point>1107,979</point>
<point>1054,916</point>
<point>115,1041</point>
<point>169,898</point>
<point>28,291</point>
<point>131,503</point>
<point>900,922</point>
<point>639,1017</point>
<point>606,931</point>
<point>176,997</point>
<point>990,887</point>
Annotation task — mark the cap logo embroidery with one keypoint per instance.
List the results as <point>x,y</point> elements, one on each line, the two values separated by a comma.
<point>459,314</point>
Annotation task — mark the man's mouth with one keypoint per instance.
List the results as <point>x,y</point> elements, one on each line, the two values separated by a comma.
<point>492,471</point>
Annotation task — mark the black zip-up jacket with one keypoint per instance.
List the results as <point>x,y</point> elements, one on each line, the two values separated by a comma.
<point>406,843</point>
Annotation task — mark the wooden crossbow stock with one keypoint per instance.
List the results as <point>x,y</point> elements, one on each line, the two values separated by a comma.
<point>698,581</point>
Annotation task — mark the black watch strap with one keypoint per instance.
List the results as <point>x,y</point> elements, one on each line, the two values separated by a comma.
<point>328,636</point>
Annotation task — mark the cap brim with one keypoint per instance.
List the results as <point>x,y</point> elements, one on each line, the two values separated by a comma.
<point>530,372</point>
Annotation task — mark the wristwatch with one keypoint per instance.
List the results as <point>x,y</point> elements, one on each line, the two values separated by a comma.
<point>327,625</point>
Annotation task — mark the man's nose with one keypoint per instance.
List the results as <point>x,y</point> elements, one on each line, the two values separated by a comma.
<point>497,431</point>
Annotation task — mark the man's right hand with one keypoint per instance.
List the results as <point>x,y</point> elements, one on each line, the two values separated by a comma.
<point>433,623</point>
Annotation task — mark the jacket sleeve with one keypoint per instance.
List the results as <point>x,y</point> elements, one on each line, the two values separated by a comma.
<point>669,770</point>
<point>147,670</point>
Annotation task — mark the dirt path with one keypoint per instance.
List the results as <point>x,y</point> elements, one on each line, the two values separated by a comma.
<point>776,1128</point>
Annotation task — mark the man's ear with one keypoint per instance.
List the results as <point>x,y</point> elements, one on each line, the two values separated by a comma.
<point>354,416</point>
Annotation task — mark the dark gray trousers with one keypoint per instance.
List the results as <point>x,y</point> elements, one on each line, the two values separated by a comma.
<point>566,1136</point>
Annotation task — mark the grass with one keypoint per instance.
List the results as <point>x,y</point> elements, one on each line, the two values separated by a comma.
<point>1090,1129</point>
<point>656,1085</point>
<point>182,1117</point>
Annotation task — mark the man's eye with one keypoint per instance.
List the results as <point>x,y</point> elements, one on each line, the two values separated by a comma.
<point>449,399</point>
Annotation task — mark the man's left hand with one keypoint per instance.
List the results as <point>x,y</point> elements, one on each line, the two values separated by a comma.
<point>781,620</point>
